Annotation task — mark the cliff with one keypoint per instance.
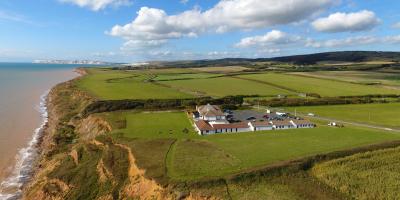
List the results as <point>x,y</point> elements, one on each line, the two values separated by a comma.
<point>79,161</point>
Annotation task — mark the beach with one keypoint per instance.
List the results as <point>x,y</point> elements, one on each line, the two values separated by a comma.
<point>22,115</point>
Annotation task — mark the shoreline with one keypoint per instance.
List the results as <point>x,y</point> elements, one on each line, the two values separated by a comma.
<point>12,185</point>
<point>27,158</point>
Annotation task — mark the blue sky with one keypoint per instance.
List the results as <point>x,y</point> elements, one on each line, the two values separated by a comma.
<point>142,30</point>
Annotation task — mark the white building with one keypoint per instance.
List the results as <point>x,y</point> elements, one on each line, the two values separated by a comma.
<point>211,113</point>
<point>205,128</point>
<point>282,124</point>
<point>209,119</point>
<point>260,126</point>
<point>302,123</point>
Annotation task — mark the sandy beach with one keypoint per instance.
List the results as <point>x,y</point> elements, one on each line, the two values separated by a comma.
<point>19,111</point>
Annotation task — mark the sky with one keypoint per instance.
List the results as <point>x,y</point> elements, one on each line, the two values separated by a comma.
<point>149,30</point>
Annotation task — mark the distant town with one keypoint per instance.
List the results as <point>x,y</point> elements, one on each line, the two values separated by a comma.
<point>79,62</point>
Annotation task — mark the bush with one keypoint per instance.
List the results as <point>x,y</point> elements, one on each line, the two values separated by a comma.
<point>158,104</point>
<point>278,102</point>
<point>65,135</point>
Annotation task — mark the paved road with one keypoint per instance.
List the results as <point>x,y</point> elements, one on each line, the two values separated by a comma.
<point>351,123</point>
<point>346,122</point>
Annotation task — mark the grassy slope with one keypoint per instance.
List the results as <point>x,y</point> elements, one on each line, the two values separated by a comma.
<point>371,175</point>
<point>375,114</point>
<point>111,85</point>
<point>193,156</point>
<point>319,86</point>
<point>226,86</point>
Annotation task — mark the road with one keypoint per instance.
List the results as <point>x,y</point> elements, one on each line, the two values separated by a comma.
<point>351,123</point>
<point>342,121</point>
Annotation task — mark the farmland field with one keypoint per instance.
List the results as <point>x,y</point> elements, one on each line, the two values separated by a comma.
<point>221,69</point>
<point>166,77</point>
<point>362,77</point>
<point>376,172</point>
<point>319,86</point>
<point>375,114</point>
<point>111,85</point>
<point>225,86</point>
<point>193,157</point>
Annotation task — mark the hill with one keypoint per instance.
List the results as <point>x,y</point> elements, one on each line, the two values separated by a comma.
<point>308,59</point>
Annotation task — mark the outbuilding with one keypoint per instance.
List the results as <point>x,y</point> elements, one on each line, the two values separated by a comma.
<point>260,126</point>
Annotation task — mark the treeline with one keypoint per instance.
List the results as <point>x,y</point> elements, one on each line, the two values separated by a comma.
<point>159,104</point>
<point>279,102</point>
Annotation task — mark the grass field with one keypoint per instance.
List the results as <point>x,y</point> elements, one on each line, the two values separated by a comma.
<point>362,77</point>
<point>112,85</point>
<point>229,69</point>
<point>320,86</point>
<point>375,114</point>
<point>371,175</point>
<point>152,125</point>
<point>167,77</point>
<point>192,157</point>
<point>225,86</point>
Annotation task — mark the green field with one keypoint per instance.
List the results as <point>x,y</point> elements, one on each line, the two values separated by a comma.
<point>167,77</point>
<point>191,156</point>
<point>362,77</point>
<point>112,85</point>
<point>320,86</point>
<point>374,114</point>
<point>225,86</point>
<point>186,83</point>
<point>152,125</point>
<point>371,175</point>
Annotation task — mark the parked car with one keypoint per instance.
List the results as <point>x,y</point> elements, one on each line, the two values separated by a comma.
<point>251,118</point>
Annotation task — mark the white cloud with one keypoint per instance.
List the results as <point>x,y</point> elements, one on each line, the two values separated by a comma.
<point>272,38</point>
<point>15,17</point>
<point>396,25</point>
<point>184,1</point>
<point>137,45</point>
<point>153,24</point>
<point>223,54</point>
<point>347,22</point>
<point>351,41</point>
<point>392,39</point>
<point>97,5</point>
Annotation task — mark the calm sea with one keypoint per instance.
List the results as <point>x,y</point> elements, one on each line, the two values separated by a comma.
<point>23,87</point>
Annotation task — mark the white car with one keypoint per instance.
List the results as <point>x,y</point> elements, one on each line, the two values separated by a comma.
<point>311,114</point>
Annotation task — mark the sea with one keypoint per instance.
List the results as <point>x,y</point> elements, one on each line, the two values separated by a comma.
<point>23,115</point>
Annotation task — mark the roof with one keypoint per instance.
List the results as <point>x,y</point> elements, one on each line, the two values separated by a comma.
<point>281,122</point>
<point>258,124</point>
<point>210,110</point>
<point>203,125</point>
<point>229,126</point>
<point>301,121</point>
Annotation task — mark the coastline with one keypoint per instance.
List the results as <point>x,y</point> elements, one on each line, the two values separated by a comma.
<point>27,159</point>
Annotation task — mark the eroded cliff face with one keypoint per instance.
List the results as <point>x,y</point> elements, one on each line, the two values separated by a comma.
<point>79,161</point>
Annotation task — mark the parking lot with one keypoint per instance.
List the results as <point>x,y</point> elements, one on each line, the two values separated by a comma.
<point>251,115</point>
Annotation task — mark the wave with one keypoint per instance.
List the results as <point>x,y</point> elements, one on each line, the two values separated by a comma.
<point>11,187</point>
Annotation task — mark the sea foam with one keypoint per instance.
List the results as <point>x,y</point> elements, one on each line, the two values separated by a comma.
<point>11,187</point>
